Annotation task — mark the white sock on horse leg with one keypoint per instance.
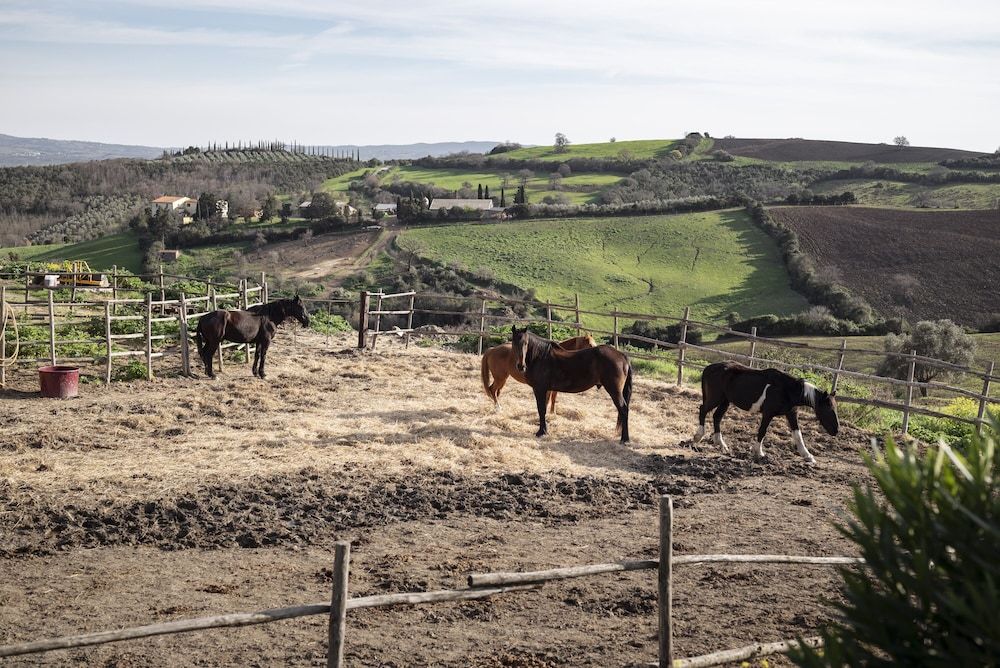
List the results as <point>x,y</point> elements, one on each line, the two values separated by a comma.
<point>801,445</point>
<point>700,434</point>
<point>717,439</point>
<point>758,448</point>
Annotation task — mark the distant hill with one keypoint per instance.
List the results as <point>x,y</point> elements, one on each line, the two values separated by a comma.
<point>16,151</point>
<point>796,150</point>
<point>413,151</point>
<point>37,151</point>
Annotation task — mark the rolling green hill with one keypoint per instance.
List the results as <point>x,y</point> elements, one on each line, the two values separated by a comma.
<point>716,262</point>
<point>639,149</point>
<point>100,254</point>
<point>577,188</point>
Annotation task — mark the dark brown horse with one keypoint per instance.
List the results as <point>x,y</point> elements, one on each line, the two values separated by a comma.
<point>256,325</point>
<point>769,392</point>
<point>499,361</point>
<point>549,368</point>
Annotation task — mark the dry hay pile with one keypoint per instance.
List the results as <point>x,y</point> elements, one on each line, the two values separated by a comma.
<point>197,497</point>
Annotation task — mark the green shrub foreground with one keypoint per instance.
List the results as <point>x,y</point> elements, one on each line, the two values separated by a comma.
<point>930,533</point>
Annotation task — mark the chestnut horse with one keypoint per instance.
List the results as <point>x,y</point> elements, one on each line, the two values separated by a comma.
<point>256,325</point>
<point>499,361</point>
<point>549,368</point>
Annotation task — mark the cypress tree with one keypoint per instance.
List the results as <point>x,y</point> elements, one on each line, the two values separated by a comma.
<point>479,195</point>
<point>487,192</point>
<point>503,198</point>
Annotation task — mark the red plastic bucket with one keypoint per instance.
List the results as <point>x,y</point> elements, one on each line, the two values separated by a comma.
<point>59,382</point>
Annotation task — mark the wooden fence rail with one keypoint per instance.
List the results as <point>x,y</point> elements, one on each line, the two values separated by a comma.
<point>146,312</point>
<point>480,586</point>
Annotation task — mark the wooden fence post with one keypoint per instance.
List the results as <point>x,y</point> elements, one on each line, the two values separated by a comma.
<point>840,366</point>
<point>163,293</point>
<point>27,283</point>
<point>362,319</point>
<point>3,336</point>
<point>338,604</point>
<point>245,299</point>
<point>409,320</point>
<point>149,336</point>
<point>482,326</point>
<point>664,589</point>
<point>107,336</point>
<point>114,282</point>
<point>182,326</point>
<point>909,391</point>
<point>614,330</point>
<point>982,401</point>
<point>378,318</point>
<point>681,345</point>
<point>753,345</point>
<point>263,288</point>
<point>576,301</point>
<point>548,315</point>
<point>52,328</point>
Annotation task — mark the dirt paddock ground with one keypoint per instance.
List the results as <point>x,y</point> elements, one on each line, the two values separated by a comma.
<point>145,502</point>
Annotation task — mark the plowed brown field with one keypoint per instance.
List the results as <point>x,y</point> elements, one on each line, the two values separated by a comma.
<point>916,264</point>
<point>145,502</point>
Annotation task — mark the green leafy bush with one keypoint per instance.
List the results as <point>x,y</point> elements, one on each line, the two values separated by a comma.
<point>135,369</point>
<point>328,323</point>
<point>930,534</point>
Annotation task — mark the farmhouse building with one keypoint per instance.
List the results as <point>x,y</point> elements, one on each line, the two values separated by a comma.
<point>184,205</point>
<point>169,255</point>
<point>387,208</point>
<point>446,203</point>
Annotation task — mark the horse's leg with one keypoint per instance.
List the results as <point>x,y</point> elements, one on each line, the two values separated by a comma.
<point>702,414</point>
<point>765,422</point>
<point>499,380</point>
<point>793,423</point>
<point>541,398</point>
<point>717,421</point>
<point>256,358</point>
<point>262,345</point>
<point>552,402</point>
<point>211,345</point>
<point>618,399</point>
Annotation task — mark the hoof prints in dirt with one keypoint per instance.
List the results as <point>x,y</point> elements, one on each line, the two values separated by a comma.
<point>301,507</point>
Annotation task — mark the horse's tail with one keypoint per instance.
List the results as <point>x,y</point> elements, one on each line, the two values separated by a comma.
<point>627,396</point>
<point>484,372</point>
<point>199,340</point>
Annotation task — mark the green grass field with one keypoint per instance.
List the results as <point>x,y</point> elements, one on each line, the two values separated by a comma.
<point>577,188</point>
<point>117,249</point>
<point>639,149</point>
<point>715,262</point>
<point>896,194</point>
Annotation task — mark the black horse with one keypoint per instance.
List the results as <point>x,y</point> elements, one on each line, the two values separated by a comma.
<point>256,325</point>
<point>767,391</point>
<point>549,368</point>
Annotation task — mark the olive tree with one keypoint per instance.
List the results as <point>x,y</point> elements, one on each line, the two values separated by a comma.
<point>940,339</point>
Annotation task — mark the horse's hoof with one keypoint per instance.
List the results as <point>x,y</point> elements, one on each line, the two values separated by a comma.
<point>539,434</point>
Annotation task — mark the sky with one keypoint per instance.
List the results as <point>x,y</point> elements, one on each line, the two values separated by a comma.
<point>179,72</point>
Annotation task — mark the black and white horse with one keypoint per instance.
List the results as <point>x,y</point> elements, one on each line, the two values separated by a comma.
<point>766,391</point>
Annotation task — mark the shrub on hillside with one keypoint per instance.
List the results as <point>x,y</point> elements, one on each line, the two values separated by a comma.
<point>668,333</point>
<point>929,531</point>
<point>940,339</point>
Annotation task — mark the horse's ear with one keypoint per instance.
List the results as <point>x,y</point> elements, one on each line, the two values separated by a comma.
<point>833,394</point>
<point>296,300</point>
<point>513,329</point>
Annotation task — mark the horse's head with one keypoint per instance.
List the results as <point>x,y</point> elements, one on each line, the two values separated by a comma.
<point>519,342</point>
<point>826,411</point>
<point>294,309</point>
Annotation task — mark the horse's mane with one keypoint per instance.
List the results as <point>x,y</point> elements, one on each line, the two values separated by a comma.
<point>275,311</point>
<point>538,346</point>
